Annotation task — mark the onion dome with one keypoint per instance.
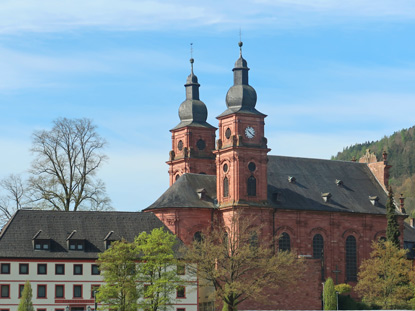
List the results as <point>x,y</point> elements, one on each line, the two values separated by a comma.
<point>241,97</point>
<point>192,112</point>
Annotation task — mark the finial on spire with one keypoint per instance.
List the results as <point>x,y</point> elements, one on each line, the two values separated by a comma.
<point>191,56</point>
<point>240,42</point>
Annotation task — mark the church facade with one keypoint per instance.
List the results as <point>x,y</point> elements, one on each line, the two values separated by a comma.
<point>327,211</point>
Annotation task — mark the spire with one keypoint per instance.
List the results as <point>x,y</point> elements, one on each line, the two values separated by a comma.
<point>192,85</point>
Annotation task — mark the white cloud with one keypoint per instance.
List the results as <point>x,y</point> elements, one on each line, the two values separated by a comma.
<point>55,16</point>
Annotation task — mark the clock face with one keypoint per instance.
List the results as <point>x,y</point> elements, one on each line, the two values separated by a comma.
<point>250,132</point>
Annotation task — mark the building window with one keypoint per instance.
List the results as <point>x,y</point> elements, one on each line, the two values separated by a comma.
<point>77,269</point>
<point>284,243</point>
<point>5,268</point>
<point>76,245</point>
<point>351,259</point>
<point>197,236</point>
<point>181,270</point>
<point>5,291</point>
<point>59,269</point>
<point>21,288</point>
<point>225,187</point>
<point>94,270</point>
<point>251,186</point>
<point>41,291</point>
<point>24,268</point>
<point>180,309</point>
<point>181,292</point>
<point>77,291</point>
<point>94,290</point>
<point>41,268</point>
<point>59,291</point>
<point>253,240</point>
<point>318,246</point>
<point>42,245</point>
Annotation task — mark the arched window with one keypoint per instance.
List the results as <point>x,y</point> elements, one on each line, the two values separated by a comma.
<point>197,236</point>
<point>177,177</point>
<point>251,186</point>
<point>253,240</point>
<point>284,243</point>
<point>225,187</point>
<point>318,246</point>
<point>351,259</point>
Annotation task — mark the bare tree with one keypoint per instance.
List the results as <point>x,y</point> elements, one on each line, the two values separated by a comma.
<point>14,196</point>
<point>67,158</point>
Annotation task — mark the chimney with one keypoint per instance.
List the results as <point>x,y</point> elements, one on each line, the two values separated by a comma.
<point>402,204</point>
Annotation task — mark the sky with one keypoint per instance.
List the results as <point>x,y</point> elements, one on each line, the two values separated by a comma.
<point>328,73</point>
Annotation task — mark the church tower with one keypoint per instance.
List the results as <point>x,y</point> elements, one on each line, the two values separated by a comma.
<point>241,154</point>
<point>193,139</point>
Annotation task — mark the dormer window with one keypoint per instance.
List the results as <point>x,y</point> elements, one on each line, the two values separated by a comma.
<point>41,241</point>
<point>374,200</point>
<point>201,193</point>
<point>76,245</point>
<point>110,238</point>
<point>326,197</point>
<point>291,179</point>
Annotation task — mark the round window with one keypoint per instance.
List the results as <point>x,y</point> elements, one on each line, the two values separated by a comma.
<point>225,167</point>
<point>251,166</point>
<point>201,144</point>
<point>180,145</point>
<point>228,133</point>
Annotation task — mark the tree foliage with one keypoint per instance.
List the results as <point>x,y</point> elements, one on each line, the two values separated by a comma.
<point>63,173</point>
<point>157,271</point>
<point>329,295</point>
<point>25,303</point>
<point>117,266</point>
<point>240,266</point>
<point>141,274</point>
<point>392,229</point>
<point>386,278</point>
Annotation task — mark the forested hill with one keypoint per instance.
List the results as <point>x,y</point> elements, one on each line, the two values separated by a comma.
<point>400,147</point>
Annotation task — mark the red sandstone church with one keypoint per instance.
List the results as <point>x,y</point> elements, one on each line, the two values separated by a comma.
<point>327,211</point>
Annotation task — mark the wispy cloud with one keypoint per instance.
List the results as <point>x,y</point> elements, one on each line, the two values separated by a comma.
<point>53,16</point>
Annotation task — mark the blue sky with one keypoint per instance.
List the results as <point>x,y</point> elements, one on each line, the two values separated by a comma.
<point>327,73</point>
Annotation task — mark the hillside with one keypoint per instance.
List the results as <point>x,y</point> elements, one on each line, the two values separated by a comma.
<point>400,147</point>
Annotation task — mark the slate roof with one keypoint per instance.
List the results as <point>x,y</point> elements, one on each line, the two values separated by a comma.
<point>408,233</point>
<point>313,178</point>
<point>16,237</point>
<point>183,193</point>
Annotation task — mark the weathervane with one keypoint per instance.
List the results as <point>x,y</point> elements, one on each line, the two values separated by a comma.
<point>191,56</point>
<point>240,42</point>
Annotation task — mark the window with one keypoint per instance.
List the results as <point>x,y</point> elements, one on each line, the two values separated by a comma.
<point>94,289</point>
<point>351,259</point>
<point>41,268</point>
<point>41,291</point>
<point>318,246</point>
<point>5,268</point>
<point>59,291</point>
<point>197,236</point>
<point>59,269</point>
<point>42,245</point>
<point>251,186</point>
<point>94,270</point>
<point>77,269</point>
<point>5,291</point>
<point>284,243</point>
<point>24,268</point>
<point>253,240</point>
<point>181,292</point>
<point>21,288</point>
<point>225,187</point>
<point>77,291</point>
<point>180,309</point>
<point>76,245</point>
<point>181,270</point>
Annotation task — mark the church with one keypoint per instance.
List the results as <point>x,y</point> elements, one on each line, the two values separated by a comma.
<point>328,212</point>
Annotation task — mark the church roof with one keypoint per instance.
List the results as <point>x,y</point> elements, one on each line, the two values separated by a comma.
<point>184,193</point>
<point>17,237</point>
<point>294,184</point>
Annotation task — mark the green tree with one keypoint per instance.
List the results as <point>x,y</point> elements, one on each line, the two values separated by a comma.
<point>230,258</point>
<point>157,271</point>
<point>117,265</point>
<point>329,295</point>
<point>392,229</point>
<point>386,278</point>
<point>26,299</point>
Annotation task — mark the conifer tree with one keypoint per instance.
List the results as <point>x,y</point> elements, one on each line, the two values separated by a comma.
<point>329,295</point>
<point>26,299</point>
<point>392,229</point>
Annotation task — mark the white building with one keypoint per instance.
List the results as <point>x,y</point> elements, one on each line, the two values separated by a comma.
<point>56,252</point>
